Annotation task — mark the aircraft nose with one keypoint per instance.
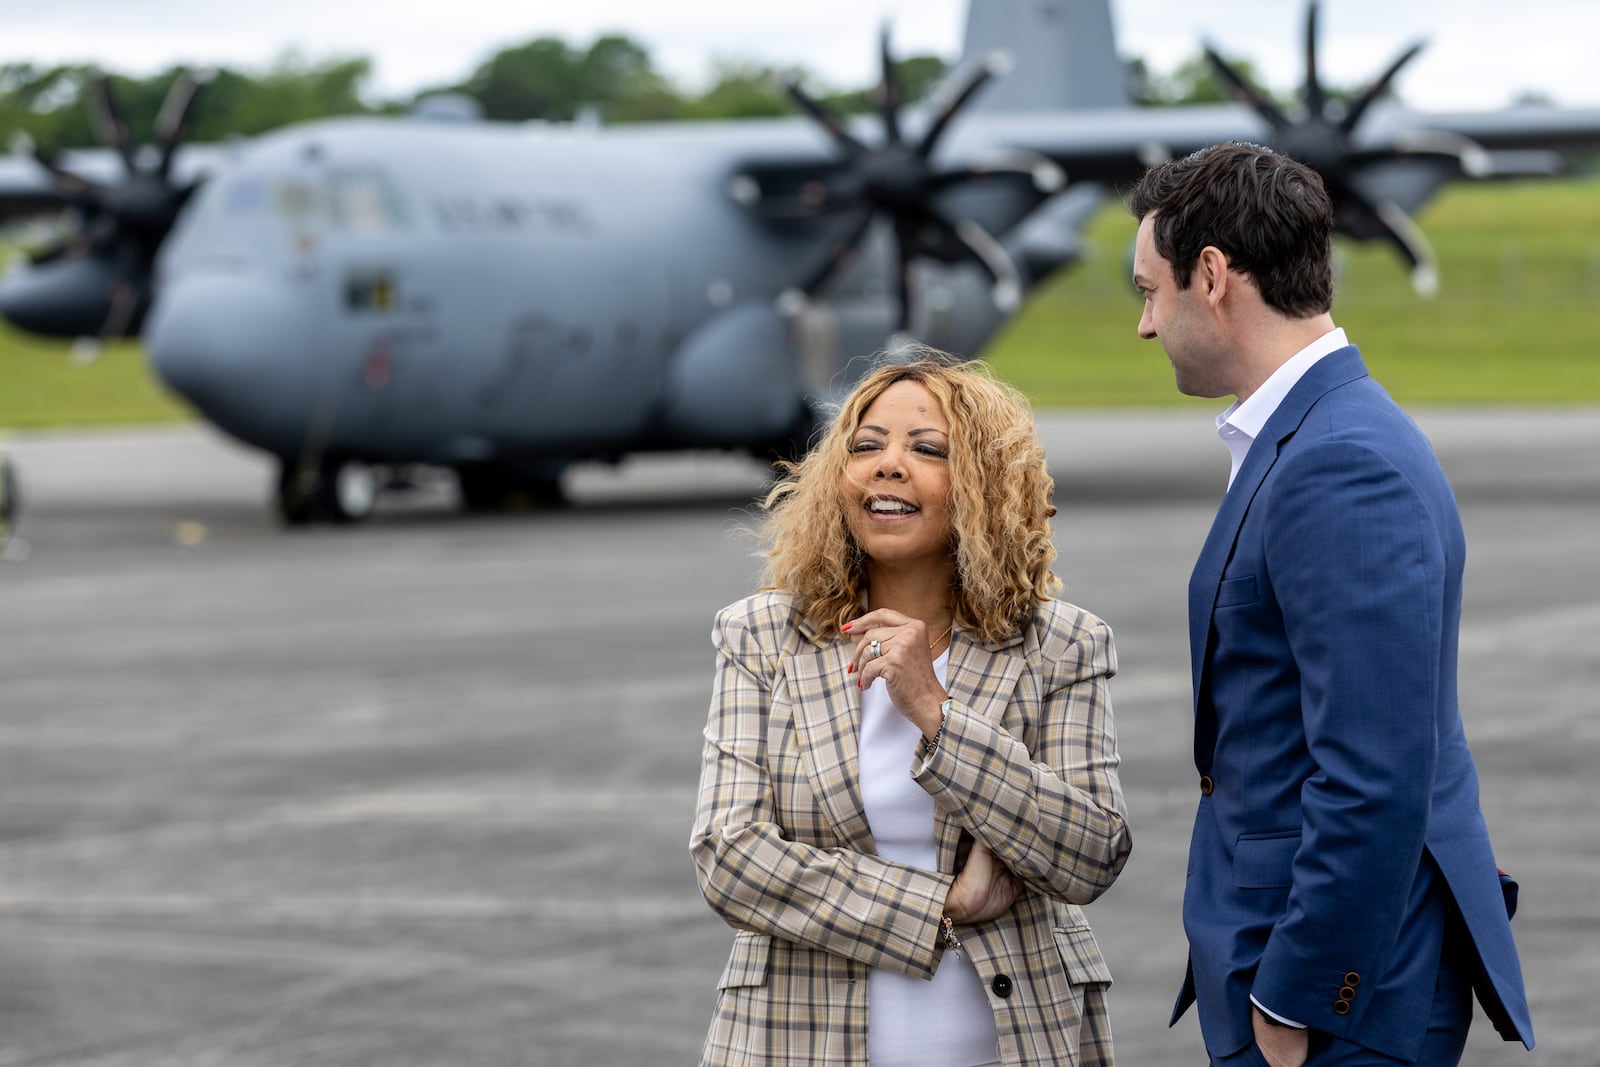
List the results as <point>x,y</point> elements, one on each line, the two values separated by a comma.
<point>240,350</point>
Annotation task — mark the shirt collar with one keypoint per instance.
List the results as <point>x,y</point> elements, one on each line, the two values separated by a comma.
<point>1248,416</point>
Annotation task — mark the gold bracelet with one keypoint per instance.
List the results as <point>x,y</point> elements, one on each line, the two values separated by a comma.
<point>948,931</point>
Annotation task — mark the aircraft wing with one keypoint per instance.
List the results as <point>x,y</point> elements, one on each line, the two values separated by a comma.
<point>1115,146</point>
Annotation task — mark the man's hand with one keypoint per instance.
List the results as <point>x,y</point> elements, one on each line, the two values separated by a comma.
<point>1281,1046</point>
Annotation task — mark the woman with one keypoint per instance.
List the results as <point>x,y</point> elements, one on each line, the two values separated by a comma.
<point>909,783</point>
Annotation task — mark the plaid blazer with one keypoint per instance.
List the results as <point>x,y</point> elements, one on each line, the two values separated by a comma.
<point>782,849</point>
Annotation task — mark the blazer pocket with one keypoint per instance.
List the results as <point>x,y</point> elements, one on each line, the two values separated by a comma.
<point>1080,952</point>
<point>1265,862</point>
<point>749,961</point>
<point>1232,592</point>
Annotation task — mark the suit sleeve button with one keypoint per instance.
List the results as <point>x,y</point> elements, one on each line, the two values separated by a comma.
<point>1001,984</point>
<point>1341,1007</point>
<point>1352,979</point>
<point>1206,785</point>
<point>1346,993</point>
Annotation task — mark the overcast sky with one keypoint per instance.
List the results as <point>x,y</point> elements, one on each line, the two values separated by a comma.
<point>1481,52</point>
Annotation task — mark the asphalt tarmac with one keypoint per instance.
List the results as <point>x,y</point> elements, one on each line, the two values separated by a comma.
<point>419,792</point>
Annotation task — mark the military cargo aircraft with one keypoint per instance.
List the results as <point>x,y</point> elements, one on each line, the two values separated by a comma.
<point>504,300</point>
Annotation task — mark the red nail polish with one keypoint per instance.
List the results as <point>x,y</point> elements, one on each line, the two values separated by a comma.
<point>850,669</point>
<point>846,627</point>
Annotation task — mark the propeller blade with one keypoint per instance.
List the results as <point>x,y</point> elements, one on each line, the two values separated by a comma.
<point>839,257</point>
<point>71,186</point>
<point>825,119</point>
<point>122,305</point>
<point>1244,91</point>
<point>1312,92</point>
<point>888,91</point>
<point>108,124</point>
<point>173,121</point>
<point>1463,153</point>
<point>1378,88</point>
<point>119,315</point>
<point>1047,176</point>
<point>1401,231</point>
<point>994,64</point>
<point>905,239</point>
<point>1007,288</point>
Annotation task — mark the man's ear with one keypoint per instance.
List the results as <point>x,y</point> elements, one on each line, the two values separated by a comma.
<point>1212,271</point>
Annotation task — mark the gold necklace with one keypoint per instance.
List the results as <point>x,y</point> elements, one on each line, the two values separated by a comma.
<point>942,636</point>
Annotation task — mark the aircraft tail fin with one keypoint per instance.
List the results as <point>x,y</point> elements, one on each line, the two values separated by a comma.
<point>1063,54</point>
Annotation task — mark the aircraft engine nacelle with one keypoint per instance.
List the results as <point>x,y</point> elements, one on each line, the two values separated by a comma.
<point>735,383</point>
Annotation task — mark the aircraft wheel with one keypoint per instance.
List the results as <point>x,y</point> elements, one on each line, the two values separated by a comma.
<point>351,492</point>
<point>8,498</point>
<point>334,491</point>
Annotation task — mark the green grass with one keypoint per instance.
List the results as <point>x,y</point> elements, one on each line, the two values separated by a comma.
<point>1517,321</point>
<point>42,386</point>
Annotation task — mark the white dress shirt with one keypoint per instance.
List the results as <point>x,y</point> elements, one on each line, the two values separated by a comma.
<point>1242,422</point>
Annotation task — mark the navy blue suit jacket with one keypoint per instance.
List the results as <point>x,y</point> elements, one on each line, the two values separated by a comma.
<point>1339,817</point>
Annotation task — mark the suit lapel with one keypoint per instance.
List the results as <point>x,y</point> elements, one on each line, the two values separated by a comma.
<point>827,716</point>
<point>1333,370</point>
<point>983,678</point>
<point>827,720</point>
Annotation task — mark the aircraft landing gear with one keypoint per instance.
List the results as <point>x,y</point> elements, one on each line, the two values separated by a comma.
<point>8,504</point>
<point>491,489</point>
<point>332,491</point>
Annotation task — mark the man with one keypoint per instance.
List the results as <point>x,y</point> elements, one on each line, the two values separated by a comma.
<point>1342,901</point>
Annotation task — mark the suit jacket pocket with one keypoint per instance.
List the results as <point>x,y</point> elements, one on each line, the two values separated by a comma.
<point>1264,862</point>
<point>1233,592</point>
<point>1081,955</point>
<point>749,961</point>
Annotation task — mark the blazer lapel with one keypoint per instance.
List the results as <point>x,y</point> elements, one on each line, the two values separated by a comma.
<point>827,716</point>
<point>984,679</point>
<point>1333,370</point>
<point>827,720</point>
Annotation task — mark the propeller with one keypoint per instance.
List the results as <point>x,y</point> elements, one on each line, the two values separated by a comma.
<point>1324,139</point>
<point>120,224</point>
<point>897,181</point>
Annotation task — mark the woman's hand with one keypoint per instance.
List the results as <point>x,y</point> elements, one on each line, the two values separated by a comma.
<point>983,890</point>
<point>904,662</point>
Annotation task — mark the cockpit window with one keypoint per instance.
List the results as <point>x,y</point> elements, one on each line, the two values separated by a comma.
<point>258,210</point>
<point>363,202</point>
<point>295,200</point>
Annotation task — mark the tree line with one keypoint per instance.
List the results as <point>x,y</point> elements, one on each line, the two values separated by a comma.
<point>546,78</point>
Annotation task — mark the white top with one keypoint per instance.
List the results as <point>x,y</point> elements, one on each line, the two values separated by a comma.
<point>1242,422</point>
<point>946,1022</point>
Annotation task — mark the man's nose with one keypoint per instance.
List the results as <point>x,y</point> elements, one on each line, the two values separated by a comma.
<point>1147,328</point>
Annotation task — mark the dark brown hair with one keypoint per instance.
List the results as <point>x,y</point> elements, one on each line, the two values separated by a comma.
<point>1268,214</point>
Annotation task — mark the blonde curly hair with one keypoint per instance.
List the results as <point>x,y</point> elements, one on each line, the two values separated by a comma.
<point>1000,504</point>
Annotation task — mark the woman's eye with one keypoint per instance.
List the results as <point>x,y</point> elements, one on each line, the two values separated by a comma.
<point>864,446</point>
